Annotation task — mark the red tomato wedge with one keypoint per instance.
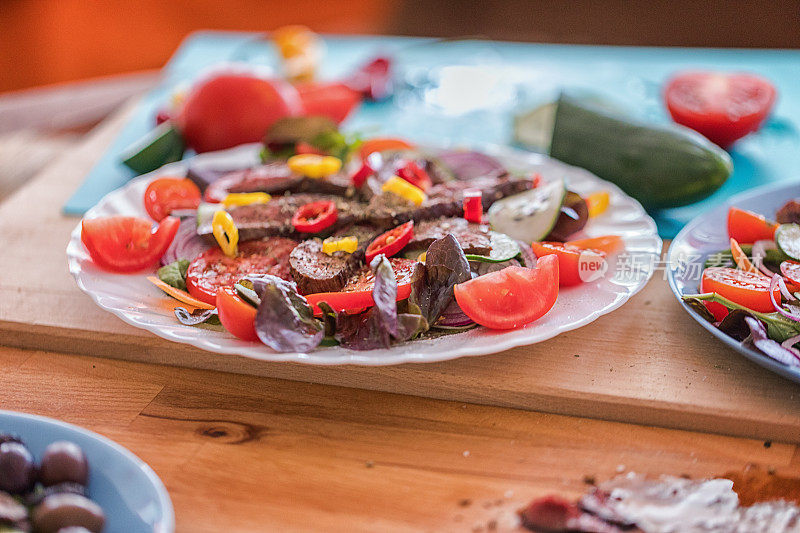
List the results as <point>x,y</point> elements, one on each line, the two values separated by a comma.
<point>333,100</point>
<point>744,288</point>
<point>164,195</point>
<point>380,144</point>
<point>126,244</point>
<point>357,293</point>
<point>575,265</point>
<point>315,217</point>
<point>213,269</point>
<point>608,244</point>
<point>723,107</point>
<point>512,297</point>
<point>748,227</point>
<point>390,242</point>
<point>236,315</point>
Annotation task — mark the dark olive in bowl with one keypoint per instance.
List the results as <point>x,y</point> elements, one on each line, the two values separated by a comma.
<point>63,462</point>
<point>17,469</point>
<point>59,511</point>
<point>573,218</point>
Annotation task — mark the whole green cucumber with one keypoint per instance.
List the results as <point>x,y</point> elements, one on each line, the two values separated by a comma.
<point>659,165</point>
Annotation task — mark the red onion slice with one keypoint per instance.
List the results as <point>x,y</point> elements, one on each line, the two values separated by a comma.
<point>777,281</point>
<point>760,252</point>
<point>789,345</point>
<point>187,244</point>
<point>453,317</point>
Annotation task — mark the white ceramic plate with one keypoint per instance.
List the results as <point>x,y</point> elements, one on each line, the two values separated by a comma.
<point>133,299</point>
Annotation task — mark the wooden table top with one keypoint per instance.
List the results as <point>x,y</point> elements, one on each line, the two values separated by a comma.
<point>242,450</point>
<point>245,453</point>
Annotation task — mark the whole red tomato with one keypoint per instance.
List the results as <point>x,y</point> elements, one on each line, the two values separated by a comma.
<point>230,109</point>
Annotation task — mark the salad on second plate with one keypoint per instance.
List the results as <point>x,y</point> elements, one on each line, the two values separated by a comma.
<point>364,244</point>
<point>751,290</point>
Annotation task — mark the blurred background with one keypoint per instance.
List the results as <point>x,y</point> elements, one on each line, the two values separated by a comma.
<point>45,41</point>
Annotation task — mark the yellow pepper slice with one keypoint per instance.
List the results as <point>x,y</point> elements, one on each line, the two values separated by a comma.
<point>245,198</point>
<point>401,187</point>
<point>314,166</point>
<point>597,203</point>
<point>226,233</point>
<point>345,244</point>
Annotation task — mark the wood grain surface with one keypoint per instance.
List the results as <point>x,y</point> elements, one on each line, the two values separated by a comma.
<point>647,362</point>
<point>242,453</point>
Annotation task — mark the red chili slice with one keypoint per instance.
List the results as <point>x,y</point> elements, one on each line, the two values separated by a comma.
<point>315,217</point>
<point>473,205</point>
<point>360,176</point>
<point>415,175</point>
<point>391,242</point>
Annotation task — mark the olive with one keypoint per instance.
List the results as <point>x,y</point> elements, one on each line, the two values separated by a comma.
<point>35,497</point>
<point>73,529</point>
<point>63,461</point>
<point>10,437</point>
<point>59,511</point>
<point>573,217</point>
<point>11,511</point>
<point>17,469</point>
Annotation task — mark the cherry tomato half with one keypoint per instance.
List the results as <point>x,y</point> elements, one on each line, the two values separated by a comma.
<point>723,107</point>
<point>126,244</point>
<point>390,242</point>
<point>315,217</point>
<point>512,297</point>
<point>415,175</point>
<point>575,265</point>
<point>744,288</point>
<point>357,293</point>
<point>748,227</point>
<point>164,195</point>
<point>380,144</point>
<point>236,315</point>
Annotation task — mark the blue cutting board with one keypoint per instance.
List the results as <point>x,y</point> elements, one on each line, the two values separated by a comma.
<point>529,74</point>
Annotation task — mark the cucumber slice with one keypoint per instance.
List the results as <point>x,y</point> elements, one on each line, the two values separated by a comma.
<point>787,237</point>
<point>205,213</point>
<point>162,145</point>
<point>724,258</point>
<point>504,248</point>
<point>530,215</point>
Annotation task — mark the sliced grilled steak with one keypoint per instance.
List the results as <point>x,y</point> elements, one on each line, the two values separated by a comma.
<point>315,271</point>
<point>473,238</point>
<point>444,200</point>
<point>274,218</point>
<point>276,178</point>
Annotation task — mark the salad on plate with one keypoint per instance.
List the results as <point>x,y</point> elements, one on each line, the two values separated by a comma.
<point>335,240</point>
<point>750,291</point>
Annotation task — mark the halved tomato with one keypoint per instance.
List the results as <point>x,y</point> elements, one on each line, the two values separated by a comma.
<point>236,315</point>
<point>127,244</point>
<point>723,107</point>
<point>744,288</point>
<point>748,227</point>
<point>575,265</point>
<point>164,195</point>
<point>512,297</point>
<point>212,269</point>
<point>357,293</point>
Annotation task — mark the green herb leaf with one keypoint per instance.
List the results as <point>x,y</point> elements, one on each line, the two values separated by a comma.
<point>779,328</point>
<point>174,274</point>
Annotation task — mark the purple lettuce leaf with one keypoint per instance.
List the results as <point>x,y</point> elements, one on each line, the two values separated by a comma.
<point>760,339</point>
<point>284,320</point>
<point>445,266</point>
<point>470,165</point>
<point>382,325</point>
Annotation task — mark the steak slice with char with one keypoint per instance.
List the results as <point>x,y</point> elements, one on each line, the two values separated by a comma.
<point>274,218</point>
<point>276,178</point>
<point>315,271</point>
<point>473,238</point>
<point>444,200</point>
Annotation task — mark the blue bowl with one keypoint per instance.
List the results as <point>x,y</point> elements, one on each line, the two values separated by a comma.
<point>132,497</point>
<point>708,234</point>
